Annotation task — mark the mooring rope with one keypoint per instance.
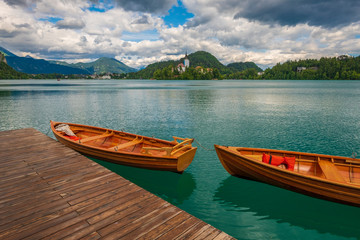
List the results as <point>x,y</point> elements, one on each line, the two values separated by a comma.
<point>207,149</point>
<point>48,131</point>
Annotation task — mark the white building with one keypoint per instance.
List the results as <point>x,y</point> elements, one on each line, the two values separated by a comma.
<point>181,67</point>
<point>186,61</point>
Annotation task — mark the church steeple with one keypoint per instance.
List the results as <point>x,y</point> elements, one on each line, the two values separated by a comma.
<point>186,61</point>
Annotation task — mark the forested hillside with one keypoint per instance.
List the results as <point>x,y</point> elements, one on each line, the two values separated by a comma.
<point>7,72</point>
<point>203,65</point>
<point>148,72</point>
<point>343,67</point>
<point>241,66</point>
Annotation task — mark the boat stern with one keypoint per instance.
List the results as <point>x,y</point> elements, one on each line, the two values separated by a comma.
<point>185,159</point>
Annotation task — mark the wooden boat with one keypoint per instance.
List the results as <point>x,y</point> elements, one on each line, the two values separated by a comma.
<point>126,148</point>
<point>327,177</point>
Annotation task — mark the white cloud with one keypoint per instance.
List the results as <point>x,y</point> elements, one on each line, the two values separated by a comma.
<point>65,8</point>
<point>138,36</point>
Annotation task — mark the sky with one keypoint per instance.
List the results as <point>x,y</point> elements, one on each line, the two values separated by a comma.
<point>141,32</point>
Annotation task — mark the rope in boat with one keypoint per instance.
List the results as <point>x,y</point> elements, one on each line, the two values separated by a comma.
<point>207,149</point>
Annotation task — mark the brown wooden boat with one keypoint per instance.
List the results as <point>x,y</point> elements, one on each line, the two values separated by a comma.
<point>327,177</point>
<point>126,148</point>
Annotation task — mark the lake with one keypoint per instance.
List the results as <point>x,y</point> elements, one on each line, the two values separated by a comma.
<point>309,116</point>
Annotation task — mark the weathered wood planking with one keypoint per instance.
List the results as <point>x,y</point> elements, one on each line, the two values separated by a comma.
<point>49,191</point>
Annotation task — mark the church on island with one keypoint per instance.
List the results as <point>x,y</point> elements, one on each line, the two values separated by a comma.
<point>181,67</point>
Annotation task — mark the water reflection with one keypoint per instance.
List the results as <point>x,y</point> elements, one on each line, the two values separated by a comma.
<point>284,206</point>
<point>173,187</point>
<point>305,116</point>
<point>5,93</point>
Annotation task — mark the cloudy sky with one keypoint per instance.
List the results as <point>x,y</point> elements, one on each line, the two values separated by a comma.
<point>140,32</point>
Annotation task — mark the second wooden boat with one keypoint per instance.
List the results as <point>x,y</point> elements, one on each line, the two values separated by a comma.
<point>327,177</point>
<point>126,148</point>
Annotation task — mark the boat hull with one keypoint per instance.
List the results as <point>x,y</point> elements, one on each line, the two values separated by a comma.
<point>170,163</point>
<point>243,167</point>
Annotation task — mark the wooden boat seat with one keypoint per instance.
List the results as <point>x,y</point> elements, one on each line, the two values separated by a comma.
<point>171,150</point>
<point>128,144</point>
<point>330,171</point>
<point>106,134</point>
<point>166,149</point>
<point>76,129</point>
<point>352,161</point>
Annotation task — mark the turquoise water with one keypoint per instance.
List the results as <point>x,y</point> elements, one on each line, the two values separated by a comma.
<point>309,116</point>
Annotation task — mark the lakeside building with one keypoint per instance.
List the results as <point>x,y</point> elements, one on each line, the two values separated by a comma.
<point>181,67</point>
<point>186,61</point>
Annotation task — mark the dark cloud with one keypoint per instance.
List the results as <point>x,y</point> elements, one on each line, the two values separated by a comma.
<point>198,21</point>
<point>24,25</point>
<point>126,44</point>
<point>149,6</point>
<point>141,20</point>
<point>83,39</point>
<point>70,24</point>
<point>8,34</point>
<point>326,13</point>
<point>102,39</point>
<point>18,2</point>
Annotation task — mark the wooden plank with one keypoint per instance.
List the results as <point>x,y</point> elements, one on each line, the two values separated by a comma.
<point>191,231</point>
<point>114,219</point>
<point>49,191</point>
<point>88,139</point>
<point>222,236</point>
<point>37,210</point>
<point>133,221</point>
<point>114,197</point>
<point>163,228</point>
<point>330,171</point>
<point>127,144</point>
<point>180,228</point>
<point>159,218</point>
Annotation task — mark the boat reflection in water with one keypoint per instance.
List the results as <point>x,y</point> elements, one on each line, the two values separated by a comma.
<point>172,187</point>
<point>290,207</point>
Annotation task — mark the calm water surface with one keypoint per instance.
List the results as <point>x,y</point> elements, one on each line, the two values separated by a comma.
<point>309,116</point>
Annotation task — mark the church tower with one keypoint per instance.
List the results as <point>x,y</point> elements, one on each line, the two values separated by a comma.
<point>186,61</point>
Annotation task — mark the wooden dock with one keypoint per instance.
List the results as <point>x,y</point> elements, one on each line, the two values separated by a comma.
<point>48,191</point>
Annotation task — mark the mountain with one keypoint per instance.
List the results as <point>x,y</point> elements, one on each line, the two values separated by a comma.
<point>200,58</point>
<point>6,52</point>
<point>148,72</point>
<point>241,66</point>
<point>38,66</point>
<point>111,65</point>
<point>100,66</point>
<point>206,60</point>
<point>7,72</point>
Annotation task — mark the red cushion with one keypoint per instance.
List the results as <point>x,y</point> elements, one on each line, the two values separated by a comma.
<point>277,160</point>
<point>290,162</point>
<point>75,138</point>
